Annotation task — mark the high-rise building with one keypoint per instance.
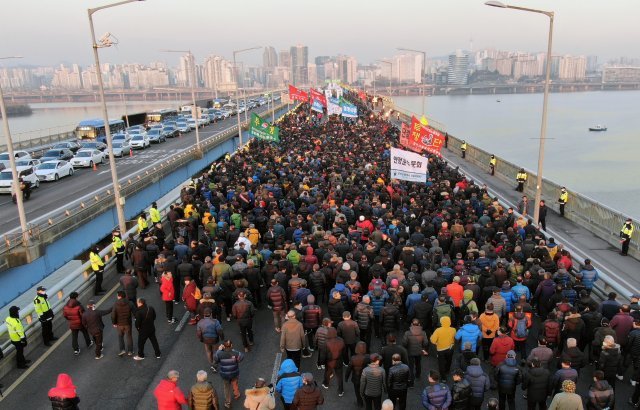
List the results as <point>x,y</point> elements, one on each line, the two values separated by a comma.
<point>347,69</point>
<point>299,64</point>
<point>269,57</point>
<point>592,64</point>
<point>458,69</point>
<point>183,76</point>
<point>66,78</point>
<point>320,61</point>
<point>407,68</point>
<point>218,74</point>
<point>572,68</point>
<point>620,74</point>
<point>284,59</point>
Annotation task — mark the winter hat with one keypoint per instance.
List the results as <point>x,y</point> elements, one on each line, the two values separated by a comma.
<point>394,283</point>
<point>568,386</point>
<point>361,218</point>
<point>511,354</point>
<point>346,266</point>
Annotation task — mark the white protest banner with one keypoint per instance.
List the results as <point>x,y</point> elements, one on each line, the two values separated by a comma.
<point>408,166</point>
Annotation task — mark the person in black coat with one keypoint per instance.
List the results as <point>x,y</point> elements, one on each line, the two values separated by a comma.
<point>480,383</point>
<point>536,385</point>
<point>92,321</point>
<point>460,391</point>
<point>145,318</point>
<point>509,376</point>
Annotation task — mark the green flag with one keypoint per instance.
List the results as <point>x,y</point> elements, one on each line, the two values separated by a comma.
<point>262,130</point>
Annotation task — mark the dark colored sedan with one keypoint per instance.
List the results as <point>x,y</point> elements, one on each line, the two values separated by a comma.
<point>170,131</point>
<point>57,154</point>
<point>70,145</point>
<point>100,146</point>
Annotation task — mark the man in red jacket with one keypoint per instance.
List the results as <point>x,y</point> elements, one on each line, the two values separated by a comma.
<point>168,394</point>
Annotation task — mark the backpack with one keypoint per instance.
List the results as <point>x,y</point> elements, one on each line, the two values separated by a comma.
<point>552,331</point>
<point>464,308</point>
<point>440,311</point>
<point>197,294</point>
<point>521,328</point>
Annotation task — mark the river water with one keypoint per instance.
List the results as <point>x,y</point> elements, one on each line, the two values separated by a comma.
<point>602,165</point>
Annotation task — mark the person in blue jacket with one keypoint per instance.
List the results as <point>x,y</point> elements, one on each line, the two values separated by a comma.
<point>289,381</point>
<point>437,395</point>
<point>469,333</point>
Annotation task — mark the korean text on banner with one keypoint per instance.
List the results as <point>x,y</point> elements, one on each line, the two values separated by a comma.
<point>333,106</point>
<point>424,138</point>
<point>405,130</point>
<point>297,95</point>
<point>261,129</point>
<point>318,96</point>
<point>408,166</point>
<point>317,106</point>
<point>349,110</point>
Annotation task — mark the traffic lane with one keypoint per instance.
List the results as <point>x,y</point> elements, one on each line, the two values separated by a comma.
<point>112,382</point>
<point>54,195</point>
<point>188,357</point>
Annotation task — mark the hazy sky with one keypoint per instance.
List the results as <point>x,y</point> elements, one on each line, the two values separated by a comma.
<point>48,32</point>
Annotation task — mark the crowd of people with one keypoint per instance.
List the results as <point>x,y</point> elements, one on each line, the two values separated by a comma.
<point>367,279</point>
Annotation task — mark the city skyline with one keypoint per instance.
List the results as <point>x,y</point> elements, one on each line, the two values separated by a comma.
<point>60,33</point>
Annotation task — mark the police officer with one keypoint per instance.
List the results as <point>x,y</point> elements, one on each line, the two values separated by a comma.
<point>17,336</point>
<point>154,213</point>
<point>118,248</point>
<point>97,265</point>
<point>564,197</point>
<point>45,315</point>
<point>492,164</point>
<point>626,233</point>
<point>463,148</point>
<point>521,178</point>
<point>143,227</point>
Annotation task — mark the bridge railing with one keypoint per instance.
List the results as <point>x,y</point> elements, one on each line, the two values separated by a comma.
<point>603,221</point>
<point>49,227</point>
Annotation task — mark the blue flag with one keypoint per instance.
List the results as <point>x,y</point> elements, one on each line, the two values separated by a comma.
<point>349,110</point>
<point>317,106</point>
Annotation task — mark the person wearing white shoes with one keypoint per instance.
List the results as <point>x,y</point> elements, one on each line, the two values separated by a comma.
<point>145,318</point>
<point>92,321</point>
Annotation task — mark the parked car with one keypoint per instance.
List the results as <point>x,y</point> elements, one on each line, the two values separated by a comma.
<point>155,135</point>
<point>72,146</point>
<point>121,136</point>
<point>140,141</point>
<point>27,163</point>
<point>6,179</point>
<point>170,131</point>
<point>183,126</point>
<point>121,148</point>
<point>55,154</point>
<point>54,170</point>
<point>192,123</point>
<point>87,158</point>
<point>100,146</point>
<point>4,157</point>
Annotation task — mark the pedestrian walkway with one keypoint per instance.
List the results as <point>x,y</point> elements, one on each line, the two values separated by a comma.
<point>575,238</point>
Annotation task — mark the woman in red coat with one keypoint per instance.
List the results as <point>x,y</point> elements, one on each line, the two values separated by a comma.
<point>189,296</point>
<point>73,311</point>
<point>168,295</point>
<point>500,346</point>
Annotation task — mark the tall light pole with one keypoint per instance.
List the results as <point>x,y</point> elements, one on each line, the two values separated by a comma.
<point>543,126</point>
<point>235,67</point>
<point>106,42</point>
<point>192,82</point>
<point>422,72</point>
<point>12,163</point>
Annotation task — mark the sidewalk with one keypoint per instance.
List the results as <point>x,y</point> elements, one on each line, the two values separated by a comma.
<point>575,238</point>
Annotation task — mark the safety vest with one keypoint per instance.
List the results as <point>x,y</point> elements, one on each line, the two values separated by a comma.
<point>41,305</point>
<point>463,146</point>
<point>564,197</point>
<point>155,215</point>
<point>15,328</point>
<point>96,261</point>
<point>627,230</point>
<point>492,161</point>
<point>118,245</point>
<point>521,177</point>
<point>142,224</point>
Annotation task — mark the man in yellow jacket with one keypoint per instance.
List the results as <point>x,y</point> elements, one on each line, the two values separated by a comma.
<point>563,199</point>
<point>444,339</point>
<point>463,148</point>
<point>118,248</point>
<point>143,227</point>
<point>45,315</point>
<point>97,266</point>
<point>154,214</point>
<point>626,232</point>
<point>521,177</point>
<point>17,335</point>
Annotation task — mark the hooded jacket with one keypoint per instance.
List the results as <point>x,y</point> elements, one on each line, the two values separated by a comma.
<point>289,380</point>
<point>536,382</point>
<point>468,301</point>
<point>258,398</point>
<point>499,348</point>
<point>490,324</point>
<point>63,396</point>
<point>468,333</point>
<point>480,381</point>
<point>609,360</point>
<point>415,340</point>
<point>508,375</point>
<point>444,336</point>
<point>308,397</point>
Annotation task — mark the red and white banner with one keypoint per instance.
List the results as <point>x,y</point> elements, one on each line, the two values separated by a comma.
<point>362,95</point>
<point>297,95</point>
<point>318,96</point>
<point>405,130</point>
<point>424,138</point>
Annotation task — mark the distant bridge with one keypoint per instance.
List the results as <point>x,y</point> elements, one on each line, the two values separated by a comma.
<point>431,89</point>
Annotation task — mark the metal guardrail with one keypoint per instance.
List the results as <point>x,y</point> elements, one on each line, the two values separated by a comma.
<point>86,206</point>
<point>507,171</point>
<point>603,221</point>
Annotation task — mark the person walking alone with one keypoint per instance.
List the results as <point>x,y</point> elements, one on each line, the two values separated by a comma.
<point>45,315</point>
<point>145,325</point>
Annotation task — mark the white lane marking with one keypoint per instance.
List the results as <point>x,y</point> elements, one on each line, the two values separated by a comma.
<point>183,322</point>
<point>276,367</point>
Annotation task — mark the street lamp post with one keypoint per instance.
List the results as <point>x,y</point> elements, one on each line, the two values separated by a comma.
<point>192,81</point>
<point>105,42</point>
<point>543,126</point>
<point>12,163</point>
<point>422,72</point>
<point>235,67</point>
